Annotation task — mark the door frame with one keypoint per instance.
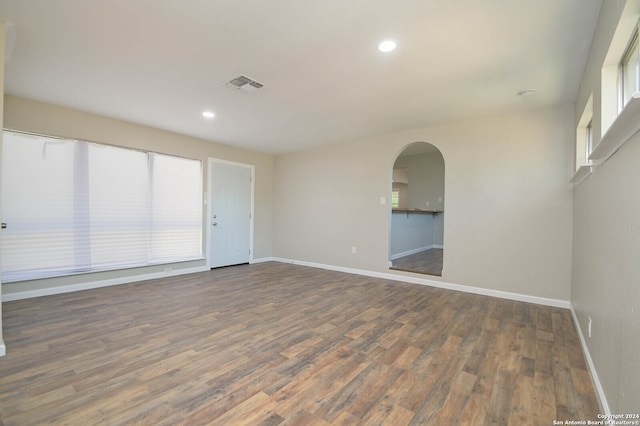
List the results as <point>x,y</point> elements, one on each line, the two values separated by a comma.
<point>209,196</point>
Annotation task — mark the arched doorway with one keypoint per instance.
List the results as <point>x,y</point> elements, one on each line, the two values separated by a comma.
<point>416,240</point>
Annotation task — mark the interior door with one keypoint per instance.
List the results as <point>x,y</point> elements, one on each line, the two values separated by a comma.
<point>230,214</point>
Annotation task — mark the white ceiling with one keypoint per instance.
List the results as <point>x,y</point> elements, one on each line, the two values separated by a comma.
<point>162,62</point>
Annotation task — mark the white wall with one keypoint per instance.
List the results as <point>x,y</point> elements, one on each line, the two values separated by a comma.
<point>508,202</point>
<point>31,116</point>
<point>606,243</point>
<point>2,53</point>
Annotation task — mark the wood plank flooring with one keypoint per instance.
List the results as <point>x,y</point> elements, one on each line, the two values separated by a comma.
<point>425,262</point>
<point>278,344</point>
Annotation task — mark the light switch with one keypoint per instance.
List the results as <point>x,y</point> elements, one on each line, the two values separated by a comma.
<point>382,201</point>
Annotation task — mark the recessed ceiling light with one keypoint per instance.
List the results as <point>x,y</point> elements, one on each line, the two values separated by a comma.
<point>387,46</point>
<point>527,92</point>
<point>208,114</point>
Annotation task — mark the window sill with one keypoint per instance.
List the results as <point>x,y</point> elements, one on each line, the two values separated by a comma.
<point>623,128</point>
<point>582,173</point>
<point>23,276</point>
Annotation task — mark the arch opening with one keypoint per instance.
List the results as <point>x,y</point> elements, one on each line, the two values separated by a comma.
<point>416,237</point>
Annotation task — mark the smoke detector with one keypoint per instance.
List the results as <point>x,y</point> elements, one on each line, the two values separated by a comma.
<point>245,84</point>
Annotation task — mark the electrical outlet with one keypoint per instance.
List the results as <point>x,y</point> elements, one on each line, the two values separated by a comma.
<point>353,250</point>
<point>589,328</point>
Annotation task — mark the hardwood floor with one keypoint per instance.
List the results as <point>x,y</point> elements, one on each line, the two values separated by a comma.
<point>425,262</point>
<point>278,344</point>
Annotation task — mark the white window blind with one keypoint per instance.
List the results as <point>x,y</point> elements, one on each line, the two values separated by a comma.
<point>74,207</point>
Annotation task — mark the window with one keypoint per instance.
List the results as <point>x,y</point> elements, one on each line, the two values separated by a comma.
<point>588,139</point>
<point>619,72</point>
<point>395,198</point>
<point>629,71</point>
<point>584,135</point>
<point>74,207</point>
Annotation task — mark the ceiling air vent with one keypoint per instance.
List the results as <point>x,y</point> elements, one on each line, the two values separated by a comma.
<point>244,83</point>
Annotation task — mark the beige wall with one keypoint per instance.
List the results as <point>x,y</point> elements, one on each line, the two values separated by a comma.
<point>508,202</point>
<point>27,115</point>
<point>426,180</point>
<point>606,243</point>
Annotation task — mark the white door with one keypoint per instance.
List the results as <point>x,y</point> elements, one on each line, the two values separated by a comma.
<point>230,219</point>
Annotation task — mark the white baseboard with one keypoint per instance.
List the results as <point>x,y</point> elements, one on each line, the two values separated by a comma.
<point>414,251</point>
<point>602,398</point>
<point>8,297</point>
<point>261,260</point>
<point>409,252</point>
<point>424,281</point>
<point>3,349</point>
